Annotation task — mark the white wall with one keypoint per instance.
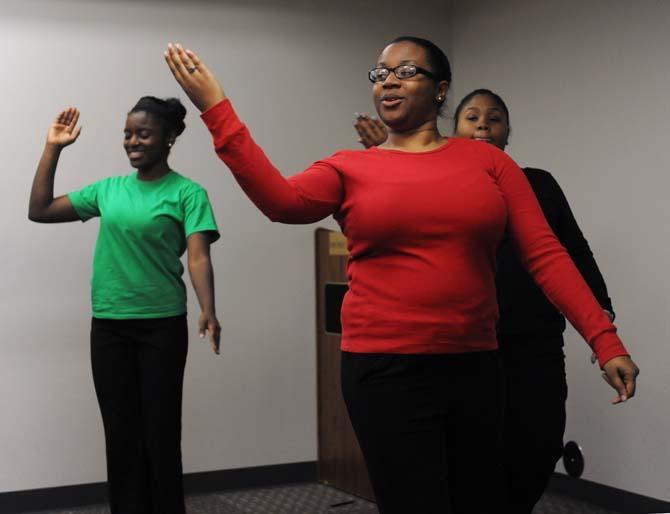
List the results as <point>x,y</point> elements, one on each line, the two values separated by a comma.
<point>296,72</point>
<point>587,87</point>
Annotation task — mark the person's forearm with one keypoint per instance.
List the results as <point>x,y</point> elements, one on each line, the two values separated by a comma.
<point>280,199</point>
<point>553,270</point>
<point>588,267</point>
<point>202,277</point>
<point>42,192</point>
<point>550,264</point>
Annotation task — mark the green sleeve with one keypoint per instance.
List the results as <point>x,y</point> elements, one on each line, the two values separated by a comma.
<point>198,214</point>
<point>86,201</point>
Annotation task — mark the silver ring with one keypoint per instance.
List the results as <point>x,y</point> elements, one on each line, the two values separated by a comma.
<point>192,69</point>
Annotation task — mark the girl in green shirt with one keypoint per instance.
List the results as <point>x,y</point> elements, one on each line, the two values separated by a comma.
<point>139,336</point>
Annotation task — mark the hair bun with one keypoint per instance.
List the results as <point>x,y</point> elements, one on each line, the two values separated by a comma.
<point>171,111</point>
<point>178,113</point>
<point>175,105</point>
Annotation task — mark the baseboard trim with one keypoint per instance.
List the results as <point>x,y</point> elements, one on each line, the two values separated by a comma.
<point>605,496</point>
<point>73,496</point>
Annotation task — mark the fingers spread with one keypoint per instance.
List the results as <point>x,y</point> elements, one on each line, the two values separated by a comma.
<point>73,120</point>
<point>66,116</point>
<point>60,119</point>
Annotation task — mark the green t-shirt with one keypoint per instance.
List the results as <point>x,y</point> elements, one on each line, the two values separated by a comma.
<point>143,229</point>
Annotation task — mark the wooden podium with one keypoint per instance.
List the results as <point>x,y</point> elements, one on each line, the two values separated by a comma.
<point>340,462</point>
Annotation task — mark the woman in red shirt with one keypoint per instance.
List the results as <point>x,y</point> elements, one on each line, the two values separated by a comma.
<point>423,216</point>
<point>530,329</point>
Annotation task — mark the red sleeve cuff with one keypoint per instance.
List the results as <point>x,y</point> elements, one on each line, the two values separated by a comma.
<point>222,122</point>
<point>217,110</point>
<point>608,346</point>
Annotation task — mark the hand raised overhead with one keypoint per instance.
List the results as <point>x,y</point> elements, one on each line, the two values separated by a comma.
<point>64,131</point>
<point>194,77</point>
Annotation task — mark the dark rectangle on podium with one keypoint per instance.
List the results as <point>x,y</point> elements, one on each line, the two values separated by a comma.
<point>335,292</point>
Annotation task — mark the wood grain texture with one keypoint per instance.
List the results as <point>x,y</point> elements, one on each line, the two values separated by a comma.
<point>340,463</point>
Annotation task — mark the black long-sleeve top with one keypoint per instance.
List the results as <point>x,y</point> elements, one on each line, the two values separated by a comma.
<point>526,315</point>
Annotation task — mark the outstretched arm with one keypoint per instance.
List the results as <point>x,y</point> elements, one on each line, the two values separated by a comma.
<point>304,198</point>
<point>43,207</point>
<point>553,270</point>
<point>571,236</point>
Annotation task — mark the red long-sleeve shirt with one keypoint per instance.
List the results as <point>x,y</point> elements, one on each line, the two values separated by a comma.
<point>422,230</point>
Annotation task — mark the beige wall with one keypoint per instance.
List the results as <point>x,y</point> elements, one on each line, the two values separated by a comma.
<point>587,87</point>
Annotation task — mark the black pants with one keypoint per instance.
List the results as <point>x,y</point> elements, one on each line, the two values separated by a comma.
<point>138,371</point>
<point>534,419</point>
<point>430,429</point>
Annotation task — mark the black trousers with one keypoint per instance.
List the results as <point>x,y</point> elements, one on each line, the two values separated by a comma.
<point>138,371</point>
<point>430,428</point>
<point>534,418</point>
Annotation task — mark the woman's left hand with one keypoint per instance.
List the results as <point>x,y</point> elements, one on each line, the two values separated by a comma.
<point>621,374</point>
<point>209,323</point>
<point>194,77</point>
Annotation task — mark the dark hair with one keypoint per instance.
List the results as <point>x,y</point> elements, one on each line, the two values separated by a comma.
<point>170,112</point>
<point>485,92</point>
<point>437,59</point>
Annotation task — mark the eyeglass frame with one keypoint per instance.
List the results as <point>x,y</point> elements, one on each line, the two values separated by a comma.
<point>418,69</point>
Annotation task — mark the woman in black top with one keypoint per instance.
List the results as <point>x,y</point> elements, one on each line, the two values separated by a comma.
<point>530,329</point>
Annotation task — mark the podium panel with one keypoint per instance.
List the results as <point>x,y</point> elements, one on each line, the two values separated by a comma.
<point>340,461</point>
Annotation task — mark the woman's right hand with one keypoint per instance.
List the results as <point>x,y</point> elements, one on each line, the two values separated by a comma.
<point>64,131</point>
<point>194,77</point>
<point>371,131</point>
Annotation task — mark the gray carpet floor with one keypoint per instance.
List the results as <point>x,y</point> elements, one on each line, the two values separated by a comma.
<point>314,499</point>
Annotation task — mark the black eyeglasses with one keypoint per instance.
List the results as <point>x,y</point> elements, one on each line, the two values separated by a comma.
<point>402,72</point>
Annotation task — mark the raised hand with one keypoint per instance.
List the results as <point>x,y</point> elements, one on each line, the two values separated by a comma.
<point>64,131</point>
<point>371,131</point>
<point>621,374</point>
<point>194,77</point>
